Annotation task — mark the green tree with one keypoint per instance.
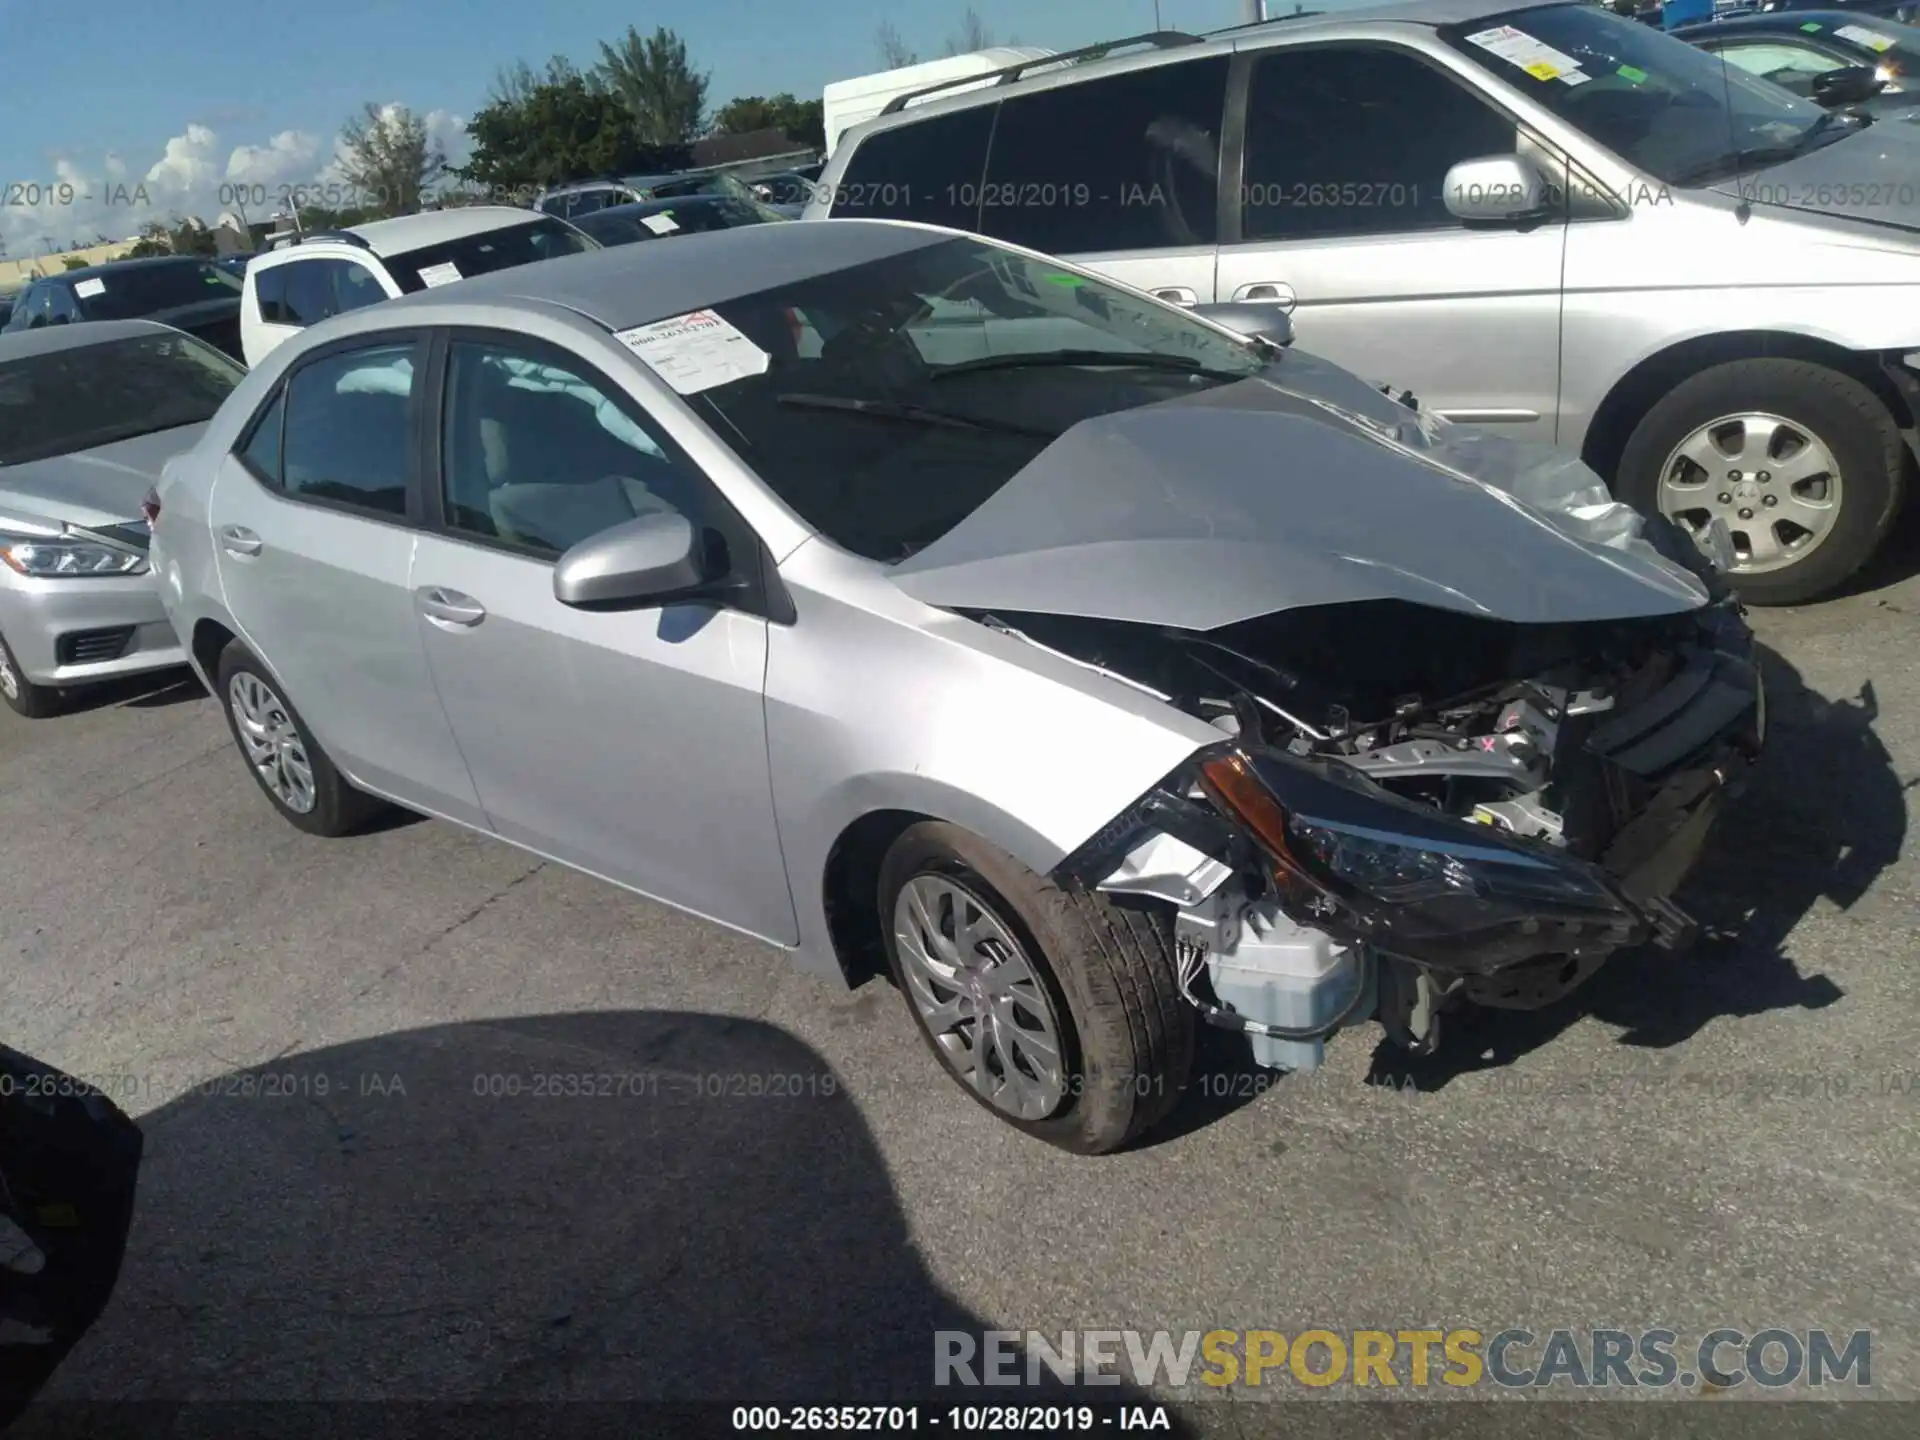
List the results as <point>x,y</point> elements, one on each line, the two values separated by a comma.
<point>557,130</point>
<point>665,97</point>
<point>75,262</point>
<point>801,120</point>
<point>387,156</point>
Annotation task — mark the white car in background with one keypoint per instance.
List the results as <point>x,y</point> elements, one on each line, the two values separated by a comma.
<point>327,272</point>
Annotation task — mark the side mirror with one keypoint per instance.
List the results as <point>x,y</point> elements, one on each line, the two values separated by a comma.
<point>1262,321</point>
<point>1496,190</point>
<point>1848,85</point>
<point>652,560</point>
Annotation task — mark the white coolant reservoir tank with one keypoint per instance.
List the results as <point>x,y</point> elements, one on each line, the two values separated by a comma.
<point>1269,969</point>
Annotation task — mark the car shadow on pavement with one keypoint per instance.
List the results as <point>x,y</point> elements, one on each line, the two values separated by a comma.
<point>151,691</point>
<point>1823,814</point>
<point>611,1207</point>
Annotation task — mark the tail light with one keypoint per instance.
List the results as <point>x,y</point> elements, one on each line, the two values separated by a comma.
<point>150,507</point>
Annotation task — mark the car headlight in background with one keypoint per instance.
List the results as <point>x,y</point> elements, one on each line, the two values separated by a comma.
<point>1353,860</point>
<point>46,557</point>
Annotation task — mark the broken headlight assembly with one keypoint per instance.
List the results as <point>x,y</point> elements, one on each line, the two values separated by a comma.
<point>1369,867</point>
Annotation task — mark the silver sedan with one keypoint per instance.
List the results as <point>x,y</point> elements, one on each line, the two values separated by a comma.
<point>896,596</point>
<point>88,414</point>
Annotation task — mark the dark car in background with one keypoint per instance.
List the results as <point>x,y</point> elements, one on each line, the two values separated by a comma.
<point>1837,58</point>
<point>184,291</point>
<point>6,310</point>
<point>659,219</point>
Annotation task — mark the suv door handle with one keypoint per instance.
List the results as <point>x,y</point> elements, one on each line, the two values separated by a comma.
<point>1274,292</point>
<point>1177,295</point>
<point>238,540</point>
<point>449,607</point>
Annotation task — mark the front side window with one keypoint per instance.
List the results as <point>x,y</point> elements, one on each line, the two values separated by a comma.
<point>87,396</point>
<point>900,393</point>
<point>348,436</point>
<point>61,309</point>
<point>540,455</point>
<point>929,170</point>
<point>1667,108</point>
<point>1152,181</point>
<point>1357,140</point>
<point>128,292</point>
<point>502,249</point>
<point>355,286</point>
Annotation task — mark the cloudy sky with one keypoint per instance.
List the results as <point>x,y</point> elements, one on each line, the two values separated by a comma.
<point>252,93</point>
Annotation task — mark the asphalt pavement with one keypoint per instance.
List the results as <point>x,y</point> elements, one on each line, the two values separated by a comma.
<point>744,1185</point>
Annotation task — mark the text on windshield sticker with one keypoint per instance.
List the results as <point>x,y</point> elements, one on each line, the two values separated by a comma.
<point>1536,57</point>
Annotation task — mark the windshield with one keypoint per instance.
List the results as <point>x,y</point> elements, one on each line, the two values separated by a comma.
<point>1891,48</point>
<point>1673,112</point>
<point>85,396</point>
<point>539,239</point>
<point>899,394</point>
<point>128,292</point>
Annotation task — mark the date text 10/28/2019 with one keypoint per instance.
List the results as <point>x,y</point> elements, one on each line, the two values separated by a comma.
<point>953,1419</point>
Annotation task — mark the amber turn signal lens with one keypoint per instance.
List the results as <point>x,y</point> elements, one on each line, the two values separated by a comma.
<point>1230,780</point>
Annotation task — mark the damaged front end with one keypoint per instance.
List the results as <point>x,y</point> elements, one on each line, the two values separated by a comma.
<point>1411,808</point>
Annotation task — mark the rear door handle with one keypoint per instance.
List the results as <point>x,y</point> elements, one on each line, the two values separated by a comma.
<point>238,540</point>
<point>1177,295</point>
<point>1274,292</point>
<point>449,607</point>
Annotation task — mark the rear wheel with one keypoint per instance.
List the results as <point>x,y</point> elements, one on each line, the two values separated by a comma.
<point>1803,464</point>
<point>1058,1012</point>
<point>281,753</point>
<point>23,697</point>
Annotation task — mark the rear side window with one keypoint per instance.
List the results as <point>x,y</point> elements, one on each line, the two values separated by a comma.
<point>348,433</point>
<point>928,171</point>
<point>270,294</point>
<point>1151,181</point>
<point>299,292</point>
<point>261,452</point>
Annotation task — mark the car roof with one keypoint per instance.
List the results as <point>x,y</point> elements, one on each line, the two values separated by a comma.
<point>1045,74</point>
<point>627,285</point>
<point>633,182</point>
<point>45,341</point>
<point>636,208</point>
<point>120,267</point>
<point>1783,20</point>
<point>437,227</point>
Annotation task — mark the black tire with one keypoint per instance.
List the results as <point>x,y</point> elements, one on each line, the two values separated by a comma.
<point>1109,974</point>
<point>338,808</point>
<point>1847,417</point>
<point>23,697</point>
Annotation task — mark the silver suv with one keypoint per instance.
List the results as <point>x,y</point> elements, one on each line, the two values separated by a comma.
<point>1550,219</point>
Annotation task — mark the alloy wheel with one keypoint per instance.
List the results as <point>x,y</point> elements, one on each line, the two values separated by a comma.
<point>983,1003</point>
<point>272,742</point>
<point>1773,483</point>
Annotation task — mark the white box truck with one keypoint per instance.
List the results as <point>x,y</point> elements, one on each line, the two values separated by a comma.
<point>847,102</point>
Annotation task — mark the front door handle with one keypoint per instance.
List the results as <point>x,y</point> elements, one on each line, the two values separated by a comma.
<point>1177,295</point>
<point>450,607</point>
<point>238,540</point>
<point>1272,292</point>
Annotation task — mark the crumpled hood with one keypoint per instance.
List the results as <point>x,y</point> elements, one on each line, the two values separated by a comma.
<point>93,487</point>
<point>1869,176</point>
<point>1304,487</point>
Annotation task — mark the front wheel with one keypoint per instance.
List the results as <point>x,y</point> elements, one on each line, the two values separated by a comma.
<point>23,697</point>
<point>1061,1013</point>
<point>1804,466</point>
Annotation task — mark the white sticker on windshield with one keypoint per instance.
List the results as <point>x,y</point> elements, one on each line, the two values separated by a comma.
<point>1536,57</point>
<point>1860,35</point>
<point>662,224</point>
<point>432,275</point>
<point>87,289</point>
<point>695,352</point>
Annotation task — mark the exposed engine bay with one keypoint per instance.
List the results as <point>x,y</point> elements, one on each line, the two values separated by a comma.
<point>1413,807</point>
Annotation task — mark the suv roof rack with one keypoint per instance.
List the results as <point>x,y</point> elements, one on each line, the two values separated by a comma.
<point>341,237</point>
<point>1158,39</point>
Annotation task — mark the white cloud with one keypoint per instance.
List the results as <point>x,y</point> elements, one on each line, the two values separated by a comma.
<point>198,173</point>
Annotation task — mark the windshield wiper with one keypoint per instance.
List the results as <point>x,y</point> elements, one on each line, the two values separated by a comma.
<point>1735,161</point>
<point>1048,359</point>
<point>913,414</point>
